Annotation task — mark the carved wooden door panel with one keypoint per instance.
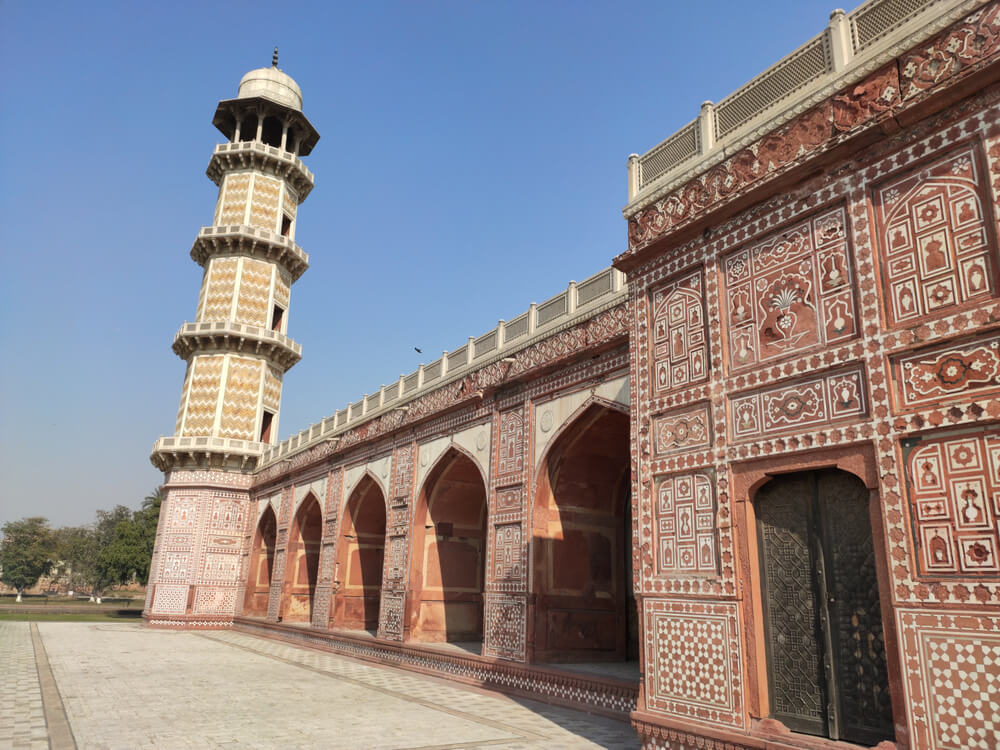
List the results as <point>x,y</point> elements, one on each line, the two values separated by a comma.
<point>826,657</point>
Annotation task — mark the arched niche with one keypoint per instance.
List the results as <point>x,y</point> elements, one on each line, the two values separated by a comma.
<point>447,572</point>
<point>261,564</point>
<point>302,566</point>
<point>580,547</point>
<point>360,554</point>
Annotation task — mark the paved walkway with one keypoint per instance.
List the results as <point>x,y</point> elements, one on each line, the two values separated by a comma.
<point>127,686</point>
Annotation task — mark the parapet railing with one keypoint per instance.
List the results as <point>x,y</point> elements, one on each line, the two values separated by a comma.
<point>238,330</point>
<point>579,301</point>
<point>176,444</point>
<point>849,39</point>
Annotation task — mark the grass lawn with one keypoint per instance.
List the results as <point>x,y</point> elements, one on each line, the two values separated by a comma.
<point>73,617</point>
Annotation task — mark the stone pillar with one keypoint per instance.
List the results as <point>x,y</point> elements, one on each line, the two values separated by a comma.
<point>505,625</point>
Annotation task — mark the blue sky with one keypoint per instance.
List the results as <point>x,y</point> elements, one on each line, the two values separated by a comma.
<point>472,160</point>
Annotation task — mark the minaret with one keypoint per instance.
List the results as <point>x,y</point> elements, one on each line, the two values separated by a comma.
<point>237,349</point>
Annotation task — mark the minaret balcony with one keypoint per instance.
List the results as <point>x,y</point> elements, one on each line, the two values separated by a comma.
<point>205,452</point>
<point>240,239</point>
<point>256,155</point>
<point>229,336</point>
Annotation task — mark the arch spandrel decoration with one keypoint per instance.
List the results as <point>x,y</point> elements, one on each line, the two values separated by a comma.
<point>552,417</point>
<point>379,472</point>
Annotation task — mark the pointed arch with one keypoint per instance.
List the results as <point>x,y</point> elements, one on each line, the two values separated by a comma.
<point>302,567</point>
<point>360,554</point>
<point>581,527</point>
<point>571,422</point>
<point>261,564</point>
<point>368,473</point>
<point>448,563</point>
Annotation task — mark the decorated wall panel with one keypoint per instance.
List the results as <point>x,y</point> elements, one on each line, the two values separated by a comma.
<point>947,373</point>
<point>289,202</point>
<point>935,237</point>
<point>790,292</point>
<point>239,408</point>
<point>788,408</point>
<point>184,394</point>
<point>680,345</point>
<point>688,429</point>
<point>510,446</point>
<point>954,492</point>
<point>255,291</point>
<point>685,524</point>
<point>264,205</point>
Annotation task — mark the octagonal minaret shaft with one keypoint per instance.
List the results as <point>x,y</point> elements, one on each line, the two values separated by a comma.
<point>237,349</point>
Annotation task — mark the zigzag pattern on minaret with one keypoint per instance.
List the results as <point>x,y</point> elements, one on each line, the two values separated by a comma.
<point>221,284</point>
<point>264,209</point>
<point>234,203</point>
<point>203,396</point>
<point>239,409</point>
<point>272,387</point>
<point>255,289</point>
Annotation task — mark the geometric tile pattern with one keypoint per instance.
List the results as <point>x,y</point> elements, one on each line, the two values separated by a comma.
<point>954,493</point>
<point>214,600</point>
<point>680,349</point>
<point>790,292</point>
<point>934,236</point>
<point>170,599</point>
<point>685,530</point>
<point>953,679</point>
<point>787,408</point>
<point>945,373</point>
<point>505,626</point>
<point>693,658</point>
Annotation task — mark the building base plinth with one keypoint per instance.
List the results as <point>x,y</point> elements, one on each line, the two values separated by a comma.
<point>604,696</point>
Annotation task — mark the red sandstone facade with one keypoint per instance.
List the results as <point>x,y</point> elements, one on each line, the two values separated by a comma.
<point>791,421</point>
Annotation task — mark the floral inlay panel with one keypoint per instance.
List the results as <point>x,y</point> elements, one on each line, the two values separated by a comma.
<point>934,237</point>
<point>790,292</point>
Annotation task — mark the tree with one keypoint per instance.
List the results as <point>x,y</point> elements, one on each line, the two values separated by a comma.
<point>126,549</point>
<point>77,552</point>
<point>26,553</point>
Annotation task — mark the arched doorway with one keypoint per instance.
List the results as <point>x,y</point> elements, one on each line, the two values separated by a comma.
<point>581,553</point>
<point>449,554</point>
<point>827,671</point>
<point>261,565</point>
<point>359,559</point>
<point>303,562</point>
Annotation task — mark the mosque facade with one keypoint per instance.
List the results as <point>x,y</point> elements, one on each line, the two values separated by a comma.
<point>741,488</point>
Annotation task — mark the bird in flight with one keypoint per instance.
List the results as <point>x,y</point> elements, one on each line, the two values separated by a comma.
<point>418,351</point>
